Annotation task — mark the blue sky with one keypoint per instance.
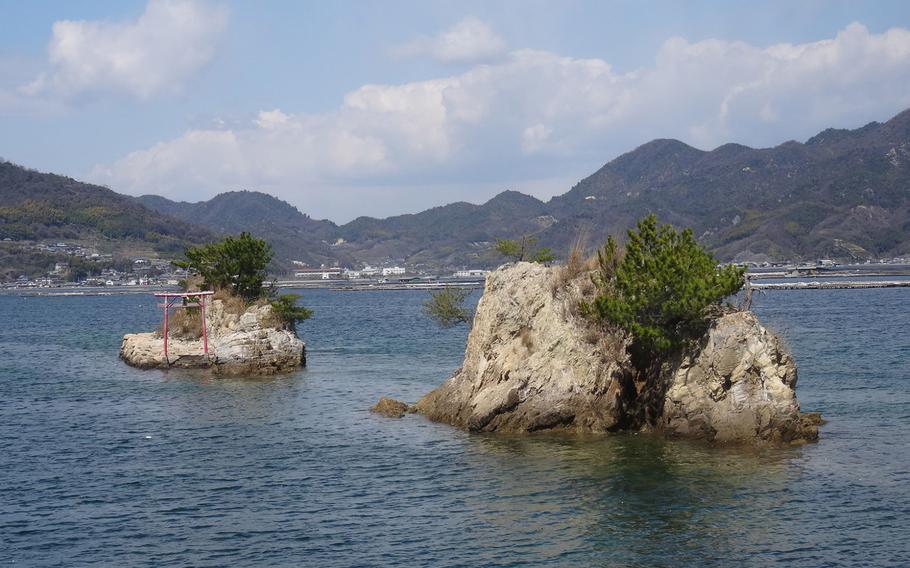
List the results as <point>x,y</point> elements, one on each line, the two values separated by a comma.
<point>378,108</point>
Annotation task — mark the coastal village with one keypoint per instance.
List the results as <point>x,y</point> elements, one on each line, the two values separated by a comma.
<point>140,273</point>
<point>106,271</point>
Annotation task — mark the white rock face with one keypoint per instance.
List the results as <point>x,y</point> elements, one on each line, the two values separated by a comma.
<point>532,364</point>
<point>529,363</point>
<point>238,344</point>
<point>740,385</point>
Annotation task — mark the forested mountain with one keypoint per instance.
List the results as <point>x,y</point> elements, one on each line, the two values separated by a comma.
<point>41,206</point>
<point>293,235</point>
<point>453,234</point>
<point>842,194</point>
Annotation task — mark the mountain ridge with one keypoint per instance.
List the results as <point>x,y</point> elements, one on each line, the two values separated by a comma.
<point>293,235</point>
<point>841,194</point>
<point>36,205</point>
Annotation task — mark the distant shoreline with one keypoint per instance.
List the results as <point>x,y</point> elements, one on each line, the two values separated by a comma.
<point>802,279</point>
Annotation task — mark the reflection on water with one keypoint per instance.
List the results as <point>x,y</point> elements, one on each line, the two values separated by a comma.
<point>640,496</point>
<point>104,464</point>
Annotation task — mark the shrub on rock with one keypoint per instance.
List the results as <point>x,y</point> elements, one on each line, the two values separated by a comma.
<point>660,288</point>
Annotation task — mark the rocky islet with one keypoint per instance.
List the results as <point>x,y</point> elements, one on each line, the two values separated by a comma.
<point>246,342</point>
<point>533,363</point>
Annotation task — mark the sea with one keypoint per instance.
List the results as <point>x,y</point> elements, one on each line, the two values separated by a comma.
<point>105,465</point>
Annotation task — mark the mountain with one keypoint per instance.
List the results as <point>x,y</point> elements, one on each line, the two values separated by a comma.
<point>842,194</point>
<point>451,235</point>
<point>42,206</point>
<point>292,234</point>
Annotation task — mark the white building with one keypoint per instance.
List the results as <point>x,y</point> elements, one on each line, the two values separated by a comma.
<point>471,273</point>
<point>393,271</point>
<point>318,273</point>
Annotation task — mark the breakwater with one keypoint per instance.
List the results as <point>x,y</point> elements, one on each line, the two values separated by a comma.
<point>831,285</point>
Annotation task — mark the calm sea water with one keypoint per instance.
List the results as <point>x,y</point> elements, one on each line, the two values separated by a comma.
<point>101,464</point>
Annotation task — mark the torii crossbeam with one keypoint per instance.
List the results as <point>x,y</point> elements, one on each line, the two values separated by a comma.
<point>197,299</point>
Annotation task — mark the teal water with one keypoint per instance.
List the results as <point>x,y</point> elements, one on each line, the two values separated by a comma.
<point>101,464</point>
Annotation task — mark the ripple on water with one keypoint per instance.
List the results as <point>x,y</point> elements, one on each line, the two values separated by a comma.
<point>104,464</point>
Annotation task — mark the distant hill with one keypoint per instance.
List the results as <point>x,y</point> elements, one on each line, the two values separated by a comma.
<point>843,194</point>
<point>451,235</point>
<point>42,206</point>
<point>292,234</point>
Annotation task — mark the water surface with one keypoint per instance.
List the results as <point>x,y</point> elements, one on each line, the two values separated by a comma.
<point>101,464</point>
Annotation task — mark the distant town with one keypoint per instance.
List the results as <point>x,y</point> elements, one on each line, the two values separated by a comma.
<point>90,269</point>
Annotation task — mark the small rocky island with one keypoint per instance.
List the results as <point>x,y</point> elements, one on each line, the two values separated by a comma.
<point>245,341</point>
<point>249,329</point>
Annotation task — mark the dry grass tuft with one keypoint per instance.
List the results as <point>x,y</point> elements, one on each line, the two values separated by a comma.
<point>183,323</point>
<point>577,262</point>
<point>232,304</point>
<point>612,345</point>
<point>272,320</point>
<point>194,283</point>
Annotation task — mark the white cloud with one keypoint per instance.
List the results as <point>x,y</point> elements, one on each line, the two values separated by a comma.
<point>532,115</point>
<point>157,53</point>
<point>469,41</point>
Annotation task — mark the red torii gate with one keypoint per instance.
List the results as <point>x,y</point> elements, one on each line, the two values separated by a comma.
<point>170,299</point>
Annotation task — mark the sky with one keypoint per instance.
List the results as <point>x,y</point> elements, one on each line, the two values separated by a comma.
<point>387,107</point>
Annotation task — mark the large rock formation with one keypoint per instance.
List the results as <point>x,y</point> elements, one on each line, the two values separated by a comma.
<point>532,363</point>
<point>245,343</point>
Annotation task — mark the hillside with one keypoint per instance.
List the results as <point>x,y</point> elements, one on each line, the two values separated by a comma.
<point>41,206</point>
<point>842,194</point>
<point>451,235</point>
<point>293,235</point>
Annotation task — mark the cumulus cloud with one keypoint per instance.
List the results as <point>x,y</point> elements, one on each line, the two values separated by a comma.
<point>533,115</point>
<point>157,53</point>
<point>469,41</point>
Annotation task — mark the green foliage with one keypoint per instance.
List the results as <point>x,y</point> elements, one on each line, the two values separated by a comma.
<point>446,307</point>
<point>510,249</point>
<point>521,249</point>
<point>660,289</point>
<point>287,311</point>
<point>237,264</point>
<point>543,255</point>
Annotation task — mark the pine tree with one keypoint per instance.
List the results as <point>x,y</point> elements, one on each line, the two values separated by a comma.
<point>660,288</point>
